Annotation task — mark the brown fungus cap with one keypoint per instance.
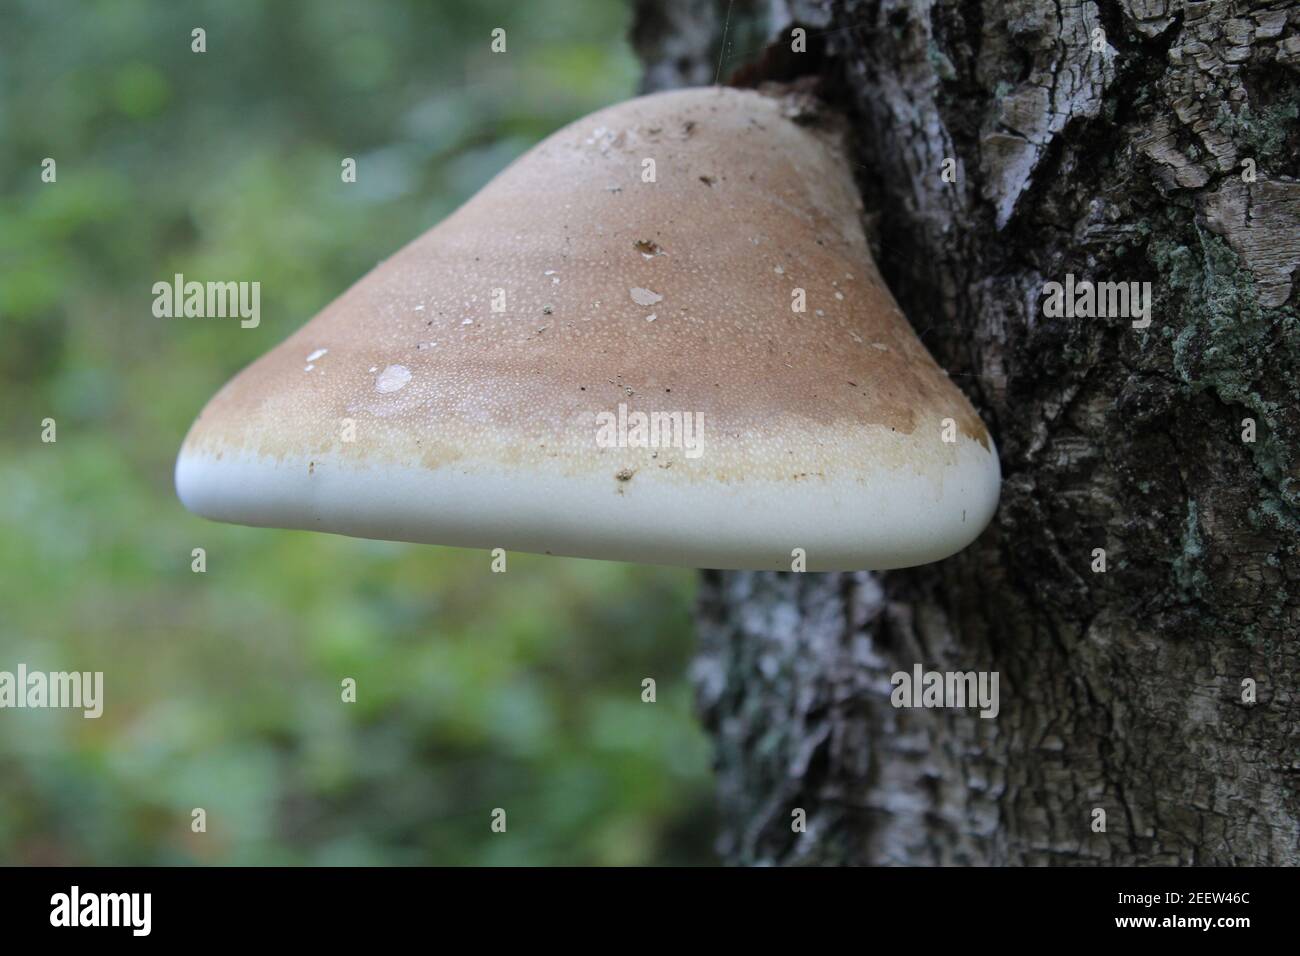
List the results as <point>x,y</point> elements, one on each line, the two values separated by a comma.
<point>658,337</point>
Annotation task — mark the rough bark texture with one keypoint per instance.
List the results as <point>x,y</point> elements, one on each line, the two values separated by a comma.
<point>1119,690</point>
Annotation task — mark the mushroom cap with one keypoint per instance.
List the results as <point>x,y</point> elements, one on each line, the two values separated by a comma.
<point>411,409</point>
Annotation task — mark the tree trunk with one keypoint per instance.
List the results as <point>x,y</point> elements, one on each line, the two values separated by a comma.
<point>1142,140</point>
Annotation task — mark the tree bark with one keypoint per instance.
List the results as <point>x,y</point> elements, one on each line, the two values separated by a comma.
<point>1166,152</point>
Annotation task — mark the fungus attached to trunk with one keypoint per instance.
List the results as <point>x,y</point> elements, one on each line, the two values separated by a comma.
<point>657,337</point>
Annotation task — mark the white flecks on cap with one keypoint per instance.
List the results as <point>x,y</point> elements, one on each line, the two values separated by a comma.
<point>645,296</point>
<point>392,378</point>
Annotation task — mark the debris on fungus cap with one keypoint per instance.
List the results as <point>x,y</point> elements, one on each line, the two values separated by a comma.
<point>657,337</point>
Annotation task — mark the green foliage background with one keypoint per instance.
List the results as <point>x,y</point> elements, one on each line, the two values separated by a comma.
<point>222,691</point>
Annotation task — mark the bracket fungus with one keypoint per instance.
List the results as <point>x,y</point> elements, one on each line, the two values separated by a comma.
<point>658,336</point>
